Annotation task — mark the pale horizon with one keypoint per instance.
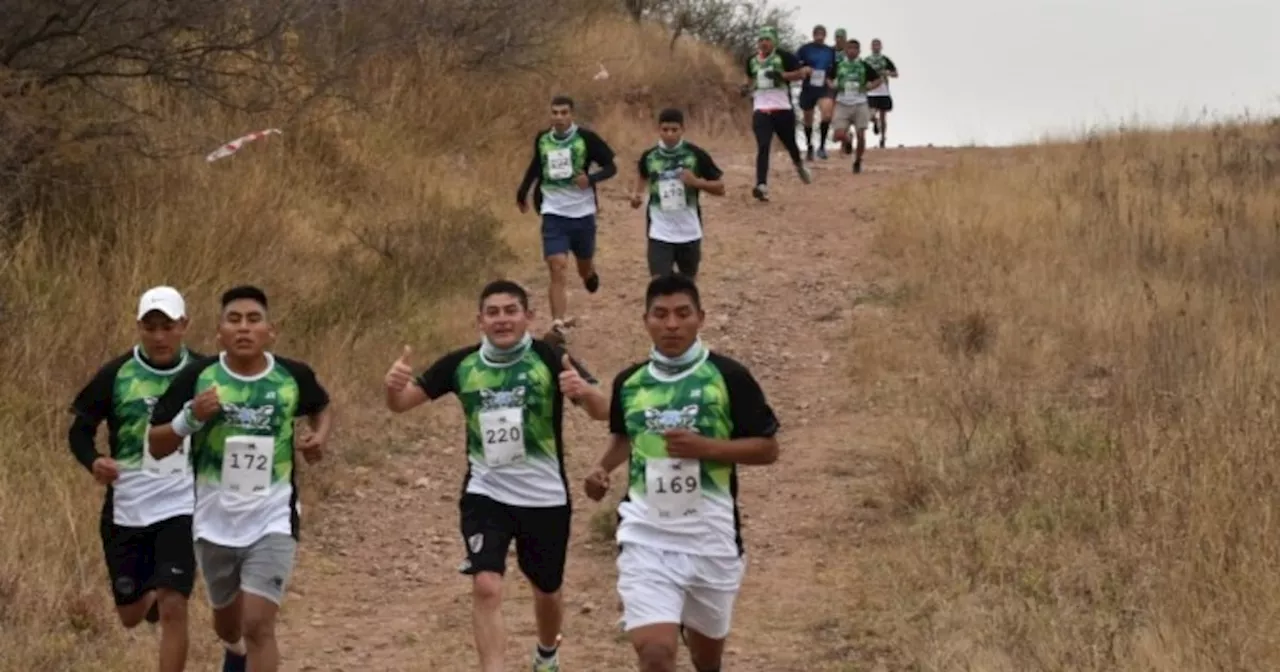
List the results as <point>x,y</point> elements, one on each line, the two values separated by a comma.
<point>1000,72</point>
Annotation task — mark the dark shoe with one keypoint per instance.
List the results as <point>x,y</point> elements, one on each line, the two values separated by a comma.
<point>761,192</point>
<point>857,166</point>
<point>592,283</point>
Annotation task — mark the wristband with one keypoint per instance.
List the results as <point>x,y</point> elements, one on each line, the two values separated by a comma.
<point>186,424</point>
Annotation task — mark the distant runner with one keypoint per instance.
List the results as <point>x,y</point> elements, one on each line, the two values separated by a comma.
<point>566,199</point>
<point>512,389</point>
<point>771,71</point>
<point>852,81</point>
<point>879,99</point>
<point>238,411</point>
<point>814,91</point>
<point>683,420</point>
<point>146,514</point>
<point>842,36</point>
<point>673,174</point>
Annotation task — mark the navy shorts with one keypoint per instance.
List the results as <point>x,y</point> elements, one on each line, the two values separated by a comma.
<point>569,234</point>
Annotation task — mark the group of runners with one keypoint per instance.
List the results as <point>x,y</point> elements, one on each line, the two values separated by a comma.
<point>846,89</point>
<point>200,471</point>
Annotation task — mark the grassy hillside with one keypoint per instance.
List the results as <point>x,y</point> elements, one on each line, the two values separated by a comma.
<point>1093,343</point>
<point>363,226</point>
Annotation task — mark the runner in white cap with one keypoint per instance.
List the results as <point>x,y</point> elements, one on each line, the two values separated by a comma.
<point>146,513</point>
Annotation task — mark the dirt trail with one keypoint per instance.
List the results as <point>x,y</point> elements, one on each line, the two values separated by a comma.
<point>377,586</point>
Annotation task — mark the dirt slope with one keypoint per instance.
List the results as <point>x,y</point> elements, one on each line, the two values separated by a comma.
<point>377,587</point>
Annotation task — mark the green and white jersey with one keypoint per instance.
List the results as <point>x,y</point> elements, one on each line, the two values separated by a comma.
<point>880,63</point>
<point>122,393</point>
<point>771,93</point>
<point>514,411</point>
<point>243,457</point>
<point>674,214</point>
<point>851,81</point>
<point>555,164</point>
<point>685,505</point>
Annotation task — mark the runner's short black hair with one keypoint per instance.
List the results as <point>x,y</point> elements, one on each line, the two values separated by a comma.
<point>244,292</point>
<point>853,42</point>
<point>671,116</point>
<point>562,100</point>
<point>505,287</point>
<point>670,285</point>
<point>819,27</point>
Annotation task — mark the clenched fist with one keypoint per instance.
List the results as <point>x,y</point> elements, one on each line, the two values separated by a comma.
<point>206,404</point>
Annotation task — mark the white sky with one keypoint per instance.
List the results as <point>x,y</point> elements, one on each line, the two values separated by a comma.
<point>1006,71</point>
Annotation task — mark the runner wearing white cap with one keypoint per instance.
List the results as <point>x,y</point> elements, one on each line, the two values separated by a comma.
<point>146,513</point>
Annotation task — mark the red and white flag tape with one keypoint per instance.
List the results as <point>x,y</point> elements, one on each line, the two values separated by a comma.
<point>235,145</point>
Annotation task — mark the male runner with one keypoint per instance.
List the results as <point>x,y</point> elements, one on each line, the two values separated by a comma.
<point>683,421</point>
<point>238,410</point>
<point>842,36</point>
<point>512,388</point>
<point>878,98</point>
<point>853,78</point>
<point>771,71</point>
<point>673,174</point>
<point>814,91</point>
<point>146,514</point>
<point>566,199</point>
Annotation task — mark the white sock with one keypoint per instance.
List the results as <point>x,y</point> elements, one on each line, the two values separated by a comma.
<point>238,648</point>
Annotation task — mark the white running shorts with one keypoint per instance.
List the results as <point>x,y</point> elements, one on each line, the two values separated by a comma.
<point>697,591</point>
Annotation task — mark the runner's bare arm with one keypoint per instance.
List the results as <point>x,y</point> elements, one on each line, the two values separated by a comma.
<point>321,424</point>
<point>407,398</point>
<point>617,454</point>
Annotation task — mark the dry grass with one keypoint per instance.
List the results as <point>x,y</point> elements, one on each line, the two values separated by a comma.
<point>1091,339</point>
<point>364,230</point>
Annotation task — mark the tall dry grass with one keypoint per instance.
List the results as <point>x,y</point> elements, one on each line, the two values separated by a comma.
<point>1093,343</point>
<point>364,229</point>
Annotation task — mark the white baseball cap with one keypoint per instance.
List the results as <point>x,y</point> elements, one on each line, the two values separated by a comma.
<point>164,299</point>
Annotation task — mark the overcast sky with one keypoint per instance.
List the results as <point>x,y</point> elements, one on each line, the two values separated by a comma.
<point>1004,71</point>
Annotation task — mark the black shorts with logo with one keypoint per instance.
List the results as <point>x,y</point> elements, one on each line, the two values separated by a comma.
<point>541,535</point>
<point>141,559</point>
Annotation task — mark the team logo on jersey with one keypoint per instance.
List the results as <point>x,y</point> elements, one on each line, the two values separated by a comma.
<point>495,399</point>
<point>248,417</point>
<point>659,420</point>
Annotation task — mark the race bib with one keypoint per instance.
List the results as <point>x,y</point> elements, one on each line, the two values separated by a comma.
<point>174,465</point>
<point>502,436</point>
<point>763,81</point>
<point>560,164</point>
<point>247,463</point>
<point>853,87</point>
<point>818,78</point>
<point>673,487</point>
<point>671,195</point>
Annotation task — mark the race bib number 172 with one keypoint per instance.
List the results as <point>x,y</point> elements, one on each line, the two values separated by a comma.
<point>247,463</point>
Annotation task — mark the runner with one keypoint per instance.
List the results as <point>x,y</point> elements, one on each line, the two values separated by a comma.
<point>683,420</point>
<point>673,174</point>
<point>814,91</point>
<point>770,72</point>
<point>512,388</point>
<point>879,99</point>
<point>842,36</point>
<point>238,411</point>
<point>566,199</point>
<point>146,513</point>
<point>852,81</point>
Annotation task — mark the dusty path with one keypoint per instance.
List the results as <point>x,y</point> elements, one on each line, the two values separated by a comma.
<point>377,587</point>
